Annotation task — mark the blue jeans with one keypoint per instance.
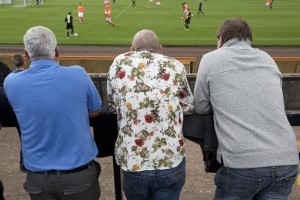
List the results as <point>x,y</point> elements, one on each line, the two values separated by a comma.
<point>266,183</point>
<point>154,184</point>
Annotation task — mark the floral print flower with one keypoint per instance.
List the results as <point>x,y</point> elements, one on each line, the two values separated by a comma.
<point>151,134</point>
<point>165,76</point>
<point>135,122</point>
<point>182,94</point>
<point>121,74</point>
<point>181,142</point>
<point>141,65</point>
<point>149,118</point>
<point>128,106</point>
<point>136,167</point>
<point>139,142</point>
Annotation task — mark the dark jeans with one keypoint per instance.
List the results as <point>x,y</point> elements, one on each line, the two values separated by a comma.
<point>64,186</point>
<point>154,184</point>
<point>265,183</point>
<point>1,191</point>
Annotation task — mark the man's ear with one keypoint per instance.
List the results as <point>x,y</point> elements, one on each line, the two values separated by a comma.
<point>56,52</point>
<point>26,54</point>
<point>159,49</point>
<point>220,42</point>
<point>56,58</point>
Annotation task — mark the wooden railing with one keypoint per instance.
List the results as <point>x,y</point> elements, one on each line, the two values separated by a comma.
<point>189,62</point>
<point>101,64</point>
<point>286,59</point>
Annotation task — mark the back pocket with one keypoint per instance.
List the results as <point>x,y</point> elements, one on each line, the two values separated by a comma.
<point>32,189</point>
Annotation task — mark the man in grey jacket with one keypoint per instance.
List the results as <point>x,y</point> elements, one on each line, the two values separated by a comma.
<point>242,86</point>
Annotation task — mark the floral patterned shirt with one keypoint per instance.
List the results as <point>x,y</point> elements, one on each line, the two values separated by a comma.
<point>150,94</point>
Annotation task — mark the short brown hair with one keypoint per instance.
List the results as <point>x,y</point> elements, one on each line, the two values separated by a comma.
<point>18,60</point>
<point>234,28</point>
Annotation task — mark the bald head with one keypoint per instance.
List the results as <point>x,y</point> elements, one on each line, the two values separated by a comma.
<point>146,40</point>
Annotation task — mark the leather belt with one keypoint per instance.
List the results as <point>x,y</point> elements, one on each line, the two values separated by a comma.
<point>78,169</point>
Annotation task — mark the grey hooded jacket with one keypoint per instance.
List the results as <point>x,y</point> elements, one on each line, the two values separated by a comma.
<point>242,86</point>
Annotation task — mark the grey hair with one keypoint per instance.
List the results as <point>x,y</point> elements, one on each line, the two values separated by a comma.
<point>40,43</point>
<point>145,40</point>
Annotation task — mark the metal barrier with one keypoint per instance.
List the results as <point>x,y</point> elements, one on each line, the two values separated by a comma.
<point>290,85</point>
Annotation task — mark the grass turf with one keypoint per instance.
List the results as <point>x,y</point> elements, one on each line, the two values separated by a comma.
<point>277,26</point>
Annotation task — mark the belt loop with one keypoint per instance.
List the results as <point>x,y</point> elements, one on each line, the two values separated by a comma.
<point>90,164</point>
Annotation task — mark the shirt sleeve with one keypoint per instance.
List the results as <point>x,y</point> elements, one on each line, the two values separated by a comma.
<point>185,95</point>
<point>94,100</point>
<point>201,90</point>
<point>110,90</point>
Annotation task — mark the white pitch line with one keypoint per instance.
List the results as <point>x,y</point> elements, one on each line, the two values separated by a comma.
<point>122,12</point>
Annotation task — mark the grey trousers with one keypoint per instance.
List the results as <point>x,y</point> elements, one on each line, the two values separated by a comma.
<point>82,185</point>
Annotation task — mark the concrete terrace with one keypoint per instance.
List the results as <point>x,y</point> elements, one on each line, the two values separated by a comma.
<point>199,185</point>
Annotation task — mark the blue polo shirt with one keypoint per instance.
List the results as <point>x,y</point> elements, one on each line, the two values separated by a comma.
<point>51,103</point>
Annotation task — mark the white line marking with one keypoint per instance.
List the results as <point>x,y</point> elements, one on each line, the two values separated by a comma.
<point>122,12</point>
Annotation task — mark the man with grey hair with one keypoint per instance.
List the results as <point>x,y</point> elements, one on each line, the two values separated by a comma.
<point>150,93</point>
<point>53,104</point>
<point>241,85</point>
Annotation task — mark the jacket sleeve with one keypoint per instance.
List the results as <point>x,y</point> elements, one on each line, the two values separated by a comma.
<point>5,69</point>
<point>201,91</point>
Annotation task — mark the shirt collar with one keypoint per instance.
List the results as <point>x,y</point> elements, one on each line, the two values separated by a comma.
<point>237,42</point>
<point>43,63</point>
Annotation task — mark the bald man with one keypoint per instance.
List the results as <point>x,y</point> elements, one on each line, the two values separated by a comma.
<point>150,94</point>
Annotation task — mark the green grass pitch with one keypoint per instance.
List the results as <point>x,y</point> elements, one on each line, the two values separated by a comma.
<point>277,26</point>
